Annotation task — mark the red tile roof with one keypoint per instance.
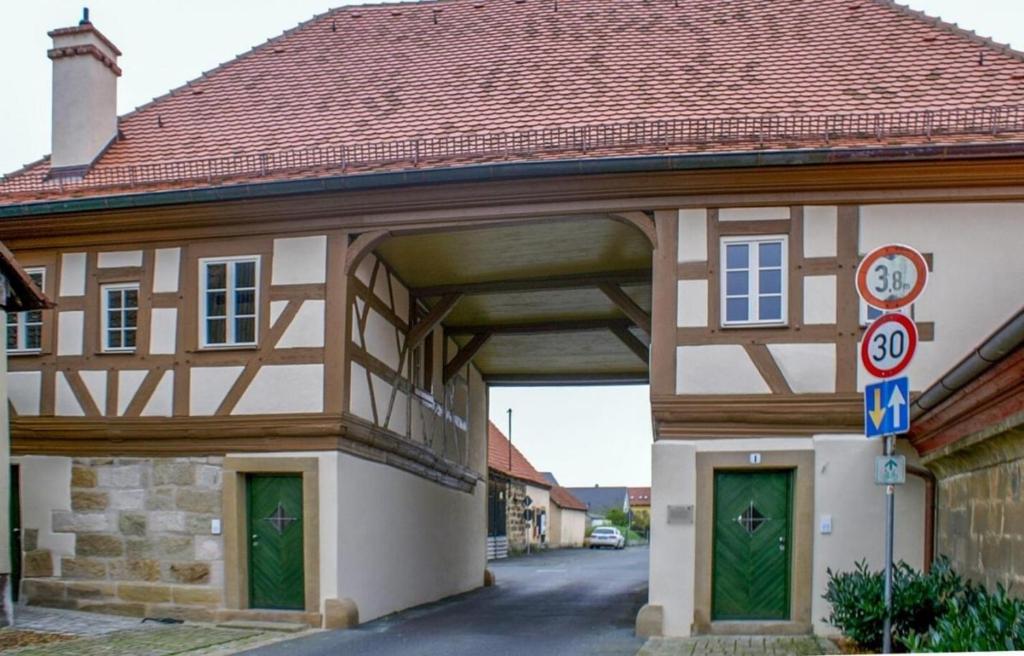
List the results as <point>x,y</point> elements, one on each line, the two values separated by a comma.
<point>498,459</point>
<point>639,496</point>
<point>370,78</point>
<point>565,499</point>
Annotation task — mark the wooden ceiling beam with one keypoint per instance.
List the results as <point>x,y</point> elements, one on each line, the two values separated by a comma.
<point>532,380</point>
<point>639,349</point>
<point>571,326</point>
<point>432,320</point>
<point>465,354</point>
<point>622,300</point>
<point>571,281</point>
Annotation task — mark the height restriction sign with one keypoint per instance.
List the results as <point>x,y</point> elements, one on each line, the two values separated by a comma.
<point>892,276</point>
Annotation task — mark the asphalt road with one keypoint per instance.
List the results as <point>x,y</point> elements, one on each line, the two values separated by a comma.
<point>560,603</point>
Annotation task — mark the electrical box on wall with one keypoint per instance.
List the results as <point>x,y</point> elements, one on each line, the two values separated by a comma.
<point>826,524</point>
<point>755,458</point>
<point>215,526</point>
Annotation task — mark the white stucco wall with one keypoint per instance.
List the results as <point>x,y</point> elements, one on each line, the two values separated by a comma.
<point>844,488</point>
<point>673,482</point>
<point>404,541</point>
<point>568,527</point>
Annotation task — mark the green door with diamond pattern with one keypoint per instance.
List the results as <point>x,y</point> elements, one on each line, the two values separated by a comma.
<point>275,541</point>
<point>750,574</point>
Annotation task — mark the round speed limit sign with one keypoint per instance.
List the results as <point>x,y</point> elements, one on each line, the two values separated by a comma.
<point>892,276</point>
<point>888,345</point>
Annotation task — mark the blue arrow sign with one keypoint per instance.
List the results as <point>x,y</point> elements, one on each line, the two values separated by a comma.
<point>887,407</point>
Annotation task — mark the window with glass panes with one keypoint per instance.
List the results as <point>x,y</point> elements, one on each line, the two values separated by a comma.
<point>228,303</point>
<point>120,316</point>
<point>754,280</point>
<point>25,329</point>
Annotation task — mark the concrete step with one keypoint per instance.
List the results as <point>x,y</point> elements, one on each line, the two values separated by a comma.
<point>255,625</point>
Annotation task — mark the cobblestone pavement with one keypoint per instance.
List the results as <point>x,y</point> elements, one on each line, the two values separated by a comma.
<point>162,641</point>
<point>96,634</point>
<point>738,646</point>
<point>72,622</point>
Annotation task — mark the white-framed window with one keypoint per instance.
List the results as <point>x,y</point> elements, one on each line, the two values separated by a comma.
<point>754,279</point>
<point>120,317</point>
<point>229,301</point>
<point>25,329</point>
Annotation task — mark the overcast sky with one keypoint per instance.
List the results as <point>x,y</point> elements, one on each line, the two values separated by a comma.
<point>585,435</point>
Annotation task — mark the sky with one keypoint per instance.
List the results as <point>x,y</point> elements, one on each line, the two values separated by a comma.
<point>585,435</point>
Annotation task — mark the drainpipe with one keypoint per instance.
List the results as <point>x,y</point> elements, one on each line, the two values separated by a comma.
<point>930,510</point>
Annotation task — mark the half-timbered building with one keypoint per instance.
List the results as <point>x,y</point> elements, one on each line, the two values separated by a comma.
<point>284,288</point>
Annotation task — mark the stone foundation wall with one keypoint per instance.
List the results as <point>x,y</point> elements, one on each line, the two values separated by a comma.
<point>143,540</point>
<point>981,518</point>
<point>515,524</point>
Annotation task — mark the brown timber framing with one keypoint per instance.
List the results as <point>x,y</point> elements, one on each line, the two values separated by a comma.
<point>465,355</point>
<point>628,306</point>
<point>574,281</point>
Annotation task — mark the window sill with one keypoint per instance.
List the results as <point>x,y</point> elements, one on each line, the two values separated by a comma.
<point>743,326</point>
<point>25,353</point>
<point>226,347</point>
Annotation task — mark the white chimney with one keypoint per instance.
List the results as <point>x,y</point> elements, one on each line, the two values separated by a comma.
<point>85,76</point>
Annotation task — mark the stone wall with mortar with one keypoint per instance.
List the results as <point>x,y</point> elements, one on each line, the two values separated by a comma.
<point>143,540</point>
<point>515,524</point>
<point>980,511</point>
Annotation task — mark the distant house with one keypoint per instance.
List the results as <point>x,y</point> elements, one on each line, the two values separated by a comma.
<point>640,502</point>
<point>600,500</point>
<point>23,302</point>
<point>511,480</point>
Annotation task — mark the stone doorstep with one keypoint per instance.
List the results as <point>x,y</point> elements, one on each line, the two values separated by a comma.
<point>304,618</point>
<point>254,625</point>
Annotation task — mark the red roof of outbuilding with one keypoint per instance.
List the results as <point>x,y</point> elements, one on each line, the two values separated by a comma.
<point>498,459</point>
<point>565,499</point>
<point>371,77</point>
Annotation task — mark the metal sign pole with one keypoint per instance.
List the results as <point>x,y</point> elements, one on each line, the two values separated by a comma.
<point>890,497</point>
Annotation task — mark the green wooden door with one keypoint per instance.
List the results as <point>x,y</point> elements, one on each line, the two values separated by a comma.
<point>275,541</point>
<point>750,578</point>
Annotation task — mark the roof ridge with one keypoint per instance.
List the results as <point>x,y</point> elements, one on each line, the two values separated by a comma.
<point>954,28</point>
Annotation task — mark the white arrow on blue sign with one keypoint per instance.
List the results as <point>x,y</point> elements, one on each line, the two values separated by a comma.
<point>887,407</point>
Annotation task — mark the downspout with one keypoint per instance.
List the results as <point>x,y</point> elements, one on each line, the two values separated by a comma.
<point>930,511</point>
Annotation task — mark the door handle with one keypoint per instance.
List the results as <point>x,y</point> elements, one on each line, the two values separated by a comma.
<point>782,543</point>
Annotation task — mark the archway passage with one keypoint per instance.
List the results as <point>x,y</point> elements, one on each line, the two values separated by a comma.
<point>546,301</point>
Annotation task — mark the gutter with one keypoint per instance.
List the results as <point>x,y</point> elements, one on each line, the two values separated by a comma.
<point>515,171</point>
<point>997,346</point>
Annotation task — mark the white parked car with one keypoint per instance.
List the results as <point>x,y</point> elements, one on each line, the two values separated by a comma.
<point>606,536</point>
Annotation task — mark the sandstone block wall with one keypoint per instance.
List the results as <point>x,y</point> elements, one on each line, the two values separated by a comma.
<point>981,513</point>
<point>143,540</point>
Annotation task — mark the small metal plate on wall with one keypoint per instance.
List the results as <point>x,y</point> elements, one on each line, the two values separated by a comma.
<point>680,514</point>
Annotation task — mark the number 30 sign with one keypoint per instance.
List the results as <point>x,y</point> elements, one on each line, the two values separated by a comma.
<point>888,345</point>
<point>892,277</point>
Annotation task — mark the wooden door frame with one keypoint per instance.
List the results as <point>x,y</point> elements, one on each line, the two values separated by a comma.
<point>790,474</point>
<point>801,463</point>
<point>236,549</point>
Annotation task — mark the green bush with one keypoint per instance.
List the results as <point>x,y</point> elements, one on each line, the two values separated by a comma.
<point>975,620</point>
<point>858,602</point>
